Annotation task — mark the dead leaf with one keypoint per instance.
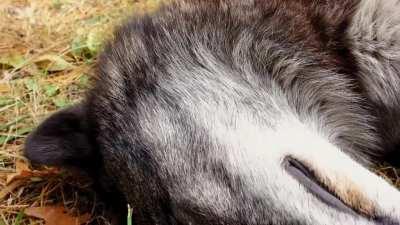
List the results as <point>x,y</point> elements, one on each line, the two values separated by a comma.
<point>52,62</point>
<point>23,172</point>
<point>9,188</point>
<point>56,215</point>
<point>14,60</point>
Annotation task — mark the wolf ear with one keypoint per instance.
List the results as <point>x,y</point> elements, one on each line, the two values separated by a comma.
<point>61,140</point>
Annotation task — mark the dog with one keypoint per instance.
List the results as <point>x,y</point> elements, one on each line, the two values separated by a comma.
<point>231,112</point>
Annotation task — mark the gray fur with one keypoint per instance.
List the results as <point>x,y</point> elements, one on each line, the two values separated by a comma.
<point>198,105</point>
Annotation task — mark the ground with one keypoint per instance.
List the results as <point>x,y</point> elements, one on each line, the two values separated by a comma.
<point>47,52</point>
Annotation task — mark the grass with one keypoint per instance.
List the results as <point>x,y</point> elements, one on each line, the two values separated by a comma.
<point>47,52</point>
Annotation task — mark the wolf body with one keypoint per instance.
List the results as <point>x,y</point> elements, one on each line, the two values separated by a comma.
<point>242,112</point>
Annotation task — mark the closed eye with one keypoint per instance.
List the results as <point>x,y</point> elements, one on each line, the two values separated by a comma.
<point>307,178</point>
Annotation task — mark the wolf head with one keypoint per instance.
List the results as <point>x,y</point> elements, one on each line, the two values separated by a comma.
<point>231,112</point>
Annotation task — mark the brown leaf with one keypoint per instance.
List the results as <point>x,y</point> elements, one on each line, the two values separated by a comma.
<point>10,188</point>
<point>23,172</point>
<point>56,215</point>
<point>53,62</point>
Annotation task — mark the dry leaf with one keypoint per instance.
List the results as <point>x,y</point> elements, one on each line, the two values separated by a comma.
<point>23,172</point>
<point>52,62</point>
<point>14,60</point>
<point>9,188</point>
<point>56,215</point>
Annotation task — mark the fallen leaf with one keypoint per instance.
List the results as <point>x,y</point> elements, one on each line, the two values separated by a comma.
<point>61,102</point>
<point>94,41</point>
<point>9,188</point>
<point>84,81</point>
<point>32,84</point>
<point>14,60</point>
<point>23,172</point>
<point>51,62</point>
<point>51,90</point>
<point>56,215</point>
<point>78,45</point>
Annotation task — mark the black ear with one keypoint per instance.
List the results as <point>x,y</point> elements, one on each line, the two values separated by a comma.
<point>62,139</point>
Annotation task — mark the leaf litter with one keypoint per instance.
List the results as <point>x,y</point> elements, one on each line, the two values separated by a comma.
<point>47,52</point>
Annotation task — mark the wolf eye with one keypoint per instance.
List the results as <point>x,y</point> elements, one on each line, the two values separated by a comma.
<point>310,181</point>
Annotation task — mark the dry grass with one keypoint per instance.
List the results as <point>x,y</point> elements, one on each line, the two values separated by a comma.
<point>47,50</point>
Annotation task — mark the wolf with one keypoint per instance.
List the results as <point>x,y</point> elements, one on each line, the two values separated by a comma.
<point>231,112</point>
